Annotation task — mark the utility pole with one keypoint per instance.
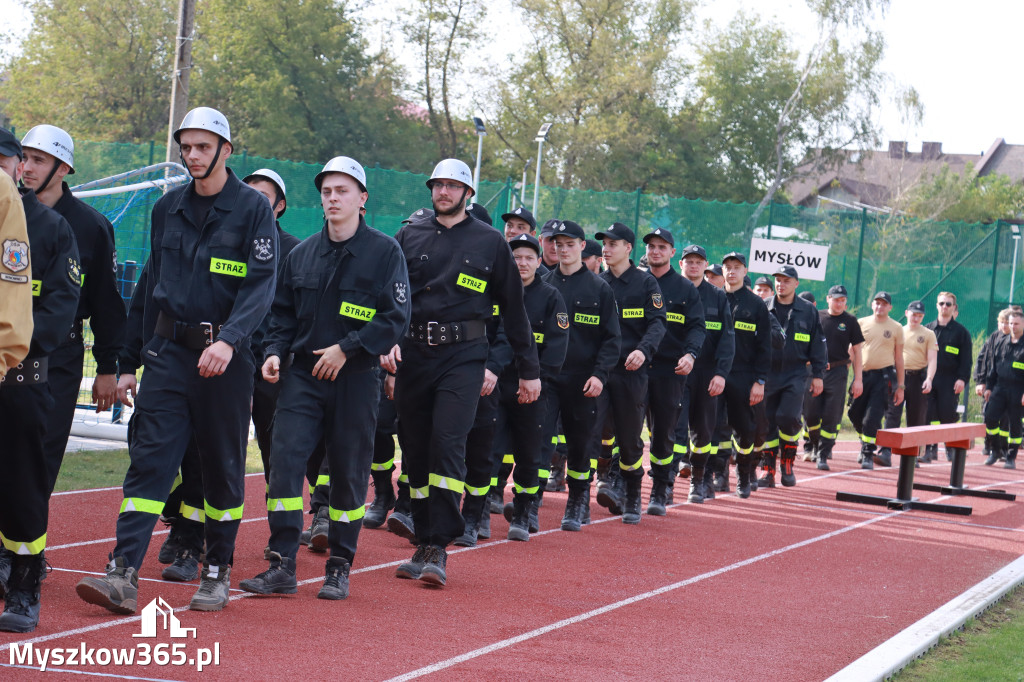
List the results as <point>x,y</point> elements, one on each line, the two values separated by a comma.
<point>182,69</point>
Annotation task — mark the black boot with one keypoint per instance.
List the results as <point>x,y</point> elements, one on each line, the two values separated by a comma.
<point>21,608</point>
<point>518,528</point>
<point>696,483</point>
<point>496,498</point>
<point>612,489</point>
<point>318,531</point>
<point>993,456</point>
<point>573,518</point>
<point>725,459</point>
<point>786,462</point>
<point>278,579</point>
<point>657,504</point>
<point>556,479</point>
<point>867,456</point>
<point>400,520</point>
<point>825,453</point>
<point>708,489</point>
<point>768,465</point>
<point>752,461</point>
<point>742,475</point>
<point>586,505</point>
<point>883,457</point>
<point>473,509</point>
<point>631,507</point>
<point>6,557</point>
<point>534,520</point>
<point>383,500</point>
<point>1011,458</point>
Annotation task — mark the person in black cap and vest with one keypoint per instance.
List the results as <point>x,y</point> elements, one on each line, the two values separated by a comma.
<point>517,222</point>
<point>763,288</point>
<point>707,380</point>
<point>548,256</point>
<point>954,365</point>
<point>592,256</point>
<point>49,157</point>
<point>672,363</point>
<point>212,263</point>
<point>39,260</point>
<point>744,388</point>
<point>803,355</point>
<point>593,323</point>
<point>843,340</point>
<point>716,473</point>
<point>883,368</point>
<point>1003,390</point>
<point>459,268</point>
<point>623,403</point>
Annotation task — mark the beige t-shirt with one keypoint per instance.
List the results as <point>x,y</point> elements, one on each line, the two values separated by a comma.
<point>880,339</point>
<point>916,345</point>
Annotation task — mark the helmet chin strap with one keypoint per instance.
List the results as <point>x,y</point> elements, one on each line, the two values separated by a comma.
<point>213,164</point>
<point>46,182</point>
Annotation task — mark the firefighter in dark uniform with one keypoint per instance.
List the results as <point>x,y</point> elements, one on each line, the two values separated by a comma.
<point>459,268</point>
<point>954,366</point>
<point>843,340</point>
<point>213,247</point>
<point>49,157</point>
<point>519,221</point>
<point>744,387</point>
<point>342,302</point>
<point>622,405</point>
<point>803,355</point>
<point>593,323</point>
<point>48,264</point>
<point>673,361</point>
<point>1004,388</point>
<point>525,425</point>
<point>981,369</point>
<point>707,379</point>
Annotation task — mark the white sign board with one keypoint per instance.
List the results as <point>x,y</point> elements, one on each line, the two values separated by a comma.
<point>810,260</point>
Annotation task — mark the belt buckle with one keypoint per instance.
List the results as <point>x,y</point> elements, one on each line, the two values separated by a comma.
<point>430,340</point>
<point>208,330</point>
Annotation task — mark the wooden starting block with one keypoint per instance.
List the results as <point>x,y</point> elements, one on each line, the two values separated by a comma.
<point>907,443</point>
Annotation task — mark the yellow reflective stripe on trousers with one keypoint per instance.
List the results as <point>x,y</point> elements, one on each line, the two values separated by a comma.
<point>508,458</point>
<point>383,466</point>
<point>679,449</point>
<point>1004,433</point>
<point>828,434</point>
<point>193,514</point>
<point>789,438</point>
<point>346,515</point>
<point>774,443</point>
<point>543,473</point>
<point>661,461</point>
<point>1014,441</point>
<point>593,464</point>
<point>24,547</point>
<point>323,479</point>
<point>578,475</point>
<point>177,482</point>
<point>608,441</point>
<point>713,450</point>
<point>631,467</point>
<point>724,445</point>
<point>992,432</point>
<point>740,450</point>
<point>403,478</point>
<point>815,427</point>
<point>867,439</point>
<point>477,492</point>
<point>140,504</point>
<point>279,504</point>
<point>447,483</point>
<point>214,514</point>
<point>704,449</point>
<point>529,491</point>
<point>419,493</point>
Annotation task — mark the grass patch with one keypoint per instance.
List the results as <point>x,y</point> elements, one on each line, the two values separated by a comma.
<point>106,468</point>
<point>988,648</point>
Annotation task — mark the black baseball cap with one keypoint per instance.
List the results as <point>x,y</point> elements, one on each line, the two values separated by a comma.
<point>480,213</point>
<point>915,307</point>
<point>592,248</point>
<point>838,290</point>
<point>883,296</point>
<point>9,144</point>
<point>714,269</point>
<point>746,282</point>
<point>567,228</point>
<point>421,214</point>
<point>617,231</point>
<point>661,234</point>
<point>549,228</point>
<point>808,296</point>
<point>694,249</point>
<point>522,214</point>
<point>786,271</point>
<point>762,280</point>
<point>735,255</point>
<point>524,240</point>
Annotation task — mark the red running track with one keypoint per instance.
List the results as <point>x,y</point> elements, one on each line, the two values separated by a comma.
<point>787,585</point>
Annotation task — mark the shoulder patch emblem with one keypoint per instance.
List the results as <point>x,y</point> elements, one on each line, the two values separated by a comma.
<point>15,255</point>
<point>842,326</point>
<point>74,272</point>
<point>656,300</point>
<point>263,249</point>
<point>400,292</point>
<point>563,320</point>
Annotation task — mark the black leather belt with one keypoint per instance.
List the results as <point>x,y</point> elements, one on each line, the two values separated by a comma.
<point>75,333</point>
<point>444,333</point>
<point>192,336</point>
<point>915,372</point>
<point>838,363</point>
<point>30,371</point>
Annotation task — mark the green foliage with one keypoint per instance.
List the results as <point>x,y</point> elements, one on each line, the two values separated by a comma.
<point>100,68</point>
<point>966,197</point>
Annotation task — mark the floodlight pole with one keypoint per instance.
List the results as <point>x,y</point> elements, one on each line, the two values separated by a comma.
<point>536,182</point>
<point>480,132</point>
<point>522,188</point>
<point>1013,271</point>
<point>182,69</point>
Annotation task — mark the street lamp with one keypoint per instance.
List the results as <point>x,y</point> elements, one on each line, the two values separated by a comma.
<point>480,132</point>
<point>539,138</point>
<point>1015,229</point>
<point>522,189</point>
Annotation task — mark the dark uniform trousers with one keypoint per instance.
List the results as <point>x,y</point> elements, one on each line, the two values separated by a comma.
<point>383,466</point>
<point>579,421</point>
<point>741,414</point>
<point>343,413</point>
<point>264,405</point>
<point>867,411</point>
<point>185,503</point>
<point>481,458</point>
<point>178,402</point>
<point>784,399</point>
<point>436,392</point>
<point>914,400</point>
<point>825,410</point>
<point>24,508</point>
<point>699,416</point>
<point>65,380</point>
<point>942,401</point>
<point>524,427</point>
<point>665,402</point>
<point>1002,404</point>
<point>621,408</point>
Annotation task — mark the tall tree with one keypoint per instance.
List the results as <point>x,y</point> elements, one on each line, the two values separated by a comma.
<point>100,68</point>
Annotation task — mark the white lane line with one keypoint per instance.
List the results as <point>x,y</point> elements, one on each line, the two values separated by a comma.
<point>155,532</point>
<point>86,672</point>
<point>462,658</point>
<point>104,490</point>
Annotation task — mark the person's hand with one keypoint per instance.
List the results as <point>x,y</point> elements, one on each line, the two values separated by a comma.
<point>817,386</point>
<point>959,387</point>
<point>635,360</point>
<point>389,387</point>
<point>127,389</point>
<point>271,369</point>
<point>979,391</point>
<point>332,359</point>
<point>104,391</point>
<point>391,361</point>
<point>529,391</point>
<point>756,393</point>
<point>897,397</point>
<point>685,365</point>
<point>215,359</point>
<point>490,381</point>
<point>857,389</point>
<point>593,387</point>
<point>926,387</point>
<point>716,386</point>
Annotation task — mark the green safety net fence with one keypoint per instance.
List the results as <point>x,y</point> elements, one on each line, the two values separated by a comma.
<point>911,259</point>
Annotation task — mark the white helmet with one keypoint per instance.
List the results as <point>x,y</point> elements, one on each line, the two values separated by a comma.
<point>272,176</point>
<point>345,165</point>
<point>52,140</point>
<point>204,118</point>
<point>452,169</point>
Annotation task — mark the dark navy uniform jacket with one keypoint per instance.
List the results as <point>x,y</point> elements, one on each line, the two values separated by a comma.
<point>286,242</point>
<point>805,339</point>
<point>955,349</point>
<point>593,322</point>
<point>101,301</point>
<point>221,271</point>
<point>720,338</point>
<point>458,274</point>
<point>1006,364</point>
<point>543,305</point>
<point>753,325</point>
<point>355,296</point>
<point>56,282</point>
<point>641,311</point>
<point>684,317</point>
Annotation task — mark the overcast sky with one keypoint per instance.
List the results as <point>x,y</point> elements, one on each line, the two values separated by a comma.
<point>960,56</point>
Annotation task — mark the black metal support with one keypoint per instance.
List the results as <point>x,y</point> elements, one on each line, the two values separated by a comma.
<point>905,486</point>
<point>956,482</point>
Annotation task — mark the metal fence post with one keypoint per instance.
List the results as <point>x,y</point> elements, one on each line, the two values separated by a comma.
<point>995,265</point>
<point>636,213</point>
<point>860,254</point>
<point>152,146</point>
<point>771,217</point>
